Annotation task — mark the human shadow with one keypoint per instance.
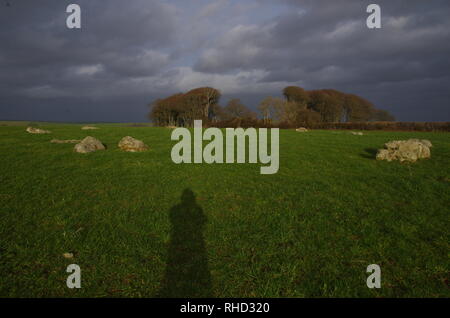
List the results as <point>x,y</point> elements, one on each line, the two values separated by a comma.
<point>370,153</point>
<point>187,273</point>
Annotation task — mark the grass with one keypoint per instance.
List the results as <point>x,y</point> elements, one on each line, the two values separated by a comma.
<point>139,225</point>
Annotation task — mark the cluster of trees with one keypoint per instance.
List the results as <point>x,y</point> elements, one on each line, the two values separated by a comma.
<point>301,107</point>
<point>201,103</point>
<point>183,108</point>
<point>298,108</point>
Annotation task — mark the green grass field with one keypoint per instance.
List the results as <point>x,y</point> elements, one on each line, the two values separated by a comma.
<point>310,230</point>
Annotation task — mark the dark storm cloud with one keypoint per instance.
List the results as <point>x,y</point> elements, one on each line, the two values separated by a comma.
<point>130,52</point>
<point>320,44</point>
<point>43,63</point>
<point>121,39</point>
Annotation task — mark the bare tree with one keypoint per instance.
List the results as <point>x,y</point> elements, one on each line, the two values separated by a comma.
<point>236,109</point>
<point>267,108</point>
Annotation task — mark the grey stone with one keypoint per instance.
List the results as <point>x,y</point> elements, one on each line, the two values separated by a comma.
<point>89,144</point>
<point>404,151</point>
<point>132,145</point>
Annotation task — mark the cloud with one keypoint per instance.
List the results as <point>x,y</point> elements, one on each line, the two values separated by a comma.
<point>87,70</point>
<point>212,8</point>
<point>128,53</point>
<point>44,91</point>
<point>118,40</point>
<point>314,41</point>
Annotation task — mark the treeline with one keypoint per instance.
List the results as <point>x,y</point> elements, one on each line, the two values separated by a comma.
<point>299,107</point>
<point>391,126</point>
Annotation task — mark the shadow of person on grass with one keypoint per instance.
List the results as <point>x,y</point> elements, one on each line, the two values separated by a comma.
<point>187,274</point>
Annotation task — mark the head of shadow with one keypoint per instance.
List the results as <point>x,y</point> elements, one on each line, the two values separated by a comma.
<point>187,273</point>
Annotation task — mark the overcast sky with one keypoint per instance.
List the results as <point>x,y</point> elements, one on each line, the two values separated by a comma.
<point>129,53</point>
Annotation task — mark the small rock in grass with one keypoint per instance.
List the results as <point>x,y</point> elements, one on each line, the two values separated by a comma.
<point>68,255</point>
<point>132,145</point>
<point>89,128</point>
<point>32,130</point>
<point>89,144</point>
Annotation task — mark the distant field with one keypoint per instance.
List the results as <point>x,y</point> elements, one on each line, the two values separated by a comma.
<point>308,231</point>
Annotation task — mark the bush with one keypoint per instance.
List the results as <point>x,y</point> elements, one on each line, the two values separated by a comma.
<point>385,125</point>
<point>310,123</point>
<point>246,122</point>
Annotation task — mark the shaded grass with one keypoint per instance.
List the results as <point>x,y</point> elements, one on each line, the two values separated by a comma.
<point>308,231</point>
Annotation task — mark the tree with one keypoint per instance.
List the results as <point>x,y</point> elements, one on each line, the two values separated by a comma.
<point>235,109</point>
<point>335,111</point>
<point>166,112</point>
<point>287,111</point>
<point>192,108</point>
<point>218,113</point>
<point>297,95</point>
<point>183,108</point>
<point>270,109</point>
<point>307,117</point>
<point>208,96</point>
<point>328,103</point>
<point>357,108</point>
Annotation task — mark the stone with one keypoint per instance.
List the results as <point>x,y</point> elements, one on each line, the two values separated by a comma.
<point>32,130</point>
<point>301,129</point>
<point>409,150</point>
<point>89,144</point>
<point>89,128</point>
<point>68,255</point>
<point>426,142</point>
<point>69,141</point>
<point>132,145</point>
